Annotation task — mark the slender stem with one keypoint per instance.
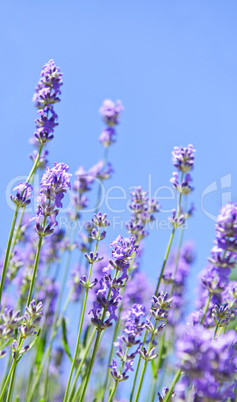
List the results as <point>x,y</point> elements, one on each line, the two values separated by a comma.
<point>156,293</point>
<point>206,307</point>
<point>113,390</point>
<point>57,314</point>
<point>81,324</point>
<point>165,261</point>
<point>7,381</point>
<point>175,380</point>
<point>145,365</point>
<point>34,271</point>
<point>137,369</point>
<point>177,259</point>
<point>111,394</point>
<point>7,255</point>
<point>141,381</point>
<point>81,364</point>
<point>34,167</point>
<point>116,328</point>
<point>10,389</point>
<point>11,374</point>
<point>217,327</point>
<point>97,342</point>
<point>162,344</point>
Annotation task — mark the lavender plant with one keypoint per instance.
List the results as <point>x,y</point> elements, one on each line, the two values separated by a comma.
<point>98,329</point>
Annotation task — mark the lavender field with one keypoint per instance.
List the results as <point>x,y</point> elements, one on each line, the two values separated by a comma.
<point>119,234</point>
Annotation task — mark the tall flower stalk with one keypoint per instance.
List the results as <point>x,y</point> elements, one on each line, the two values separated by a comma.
<point>183,159</point>
<point>46,94</point>
<point>99,221</point>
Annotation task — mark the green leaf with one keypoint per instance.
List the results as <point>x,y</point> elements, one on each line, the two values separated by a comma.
<point>65,342</point>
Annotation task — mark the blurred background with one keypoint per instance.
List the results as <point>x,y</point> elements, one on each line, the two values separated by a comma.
<point>172,63</point>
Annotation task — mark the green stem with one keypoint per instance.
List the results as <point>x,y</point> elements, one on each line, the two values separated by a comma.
<point>6,382</point>
<point>116,328</point>
<point>145,365</point>
<point>175,380</point>
<point>10,389</point>
<point>81,324</point>
<point>111,395</point>
<point>34,271</point>
<point>217,327</point>
<point>11,374</point>
<point>177,259</point>
<point>160,357</point>
<point>156,293</point>
<point>48,350</point>
<point>206,307</point>
<point>81,364</point>
<point>137,369</point>
<point>165,261</point>
<point>97,342</point>
<point>56,316</point>
<point>34,167</point>
<point>7,255</point>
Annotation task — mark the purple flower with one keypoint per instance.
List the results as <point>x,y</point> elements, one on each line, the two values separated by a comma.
<point>215,279</point>
<point>183,158</point>
<point>176,219</point>
<point>131,338</point>
<point>100,171</point>
<point>107,137</point>
<point>142,213</point>
<point>226,228</point>
<point>51,78</point>
<point>183,187</point>
<point>211,364</point>
<point>22,197</point>
<point>46,94</point>
<point>110,111</point>
<point>53,186</point>
<point>123,248</point>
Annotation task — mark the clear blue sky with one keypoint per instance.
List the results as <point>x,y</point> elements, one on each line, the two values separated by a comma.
<point>172,63</point>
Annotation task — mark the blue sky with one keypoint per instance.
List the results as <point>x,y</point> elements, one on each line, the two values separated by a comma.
<point>173,65</point>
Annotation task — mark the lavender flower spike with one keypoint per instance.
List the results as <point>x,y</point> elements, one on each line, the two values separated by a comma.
<point>22,197</point>
<point>53,186</point>
<point>110,111</point>
<point>46,95</point>
<point>183,158</point>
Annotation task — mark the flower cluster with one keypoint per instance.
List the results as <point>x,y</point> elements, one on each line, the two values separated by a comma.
<point>22,197</point>
<point>211,364</point>
<point>215,278</point>
<point>108,294</point>
<point>131,338</point>
<point>27,325</point>
<point>46,95</point>
<point>110,113</point>
<point>183,160</point>
<point>53,186</point>
<point>83,182</point>
<point>142,213</point>
<point>161,305</point>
